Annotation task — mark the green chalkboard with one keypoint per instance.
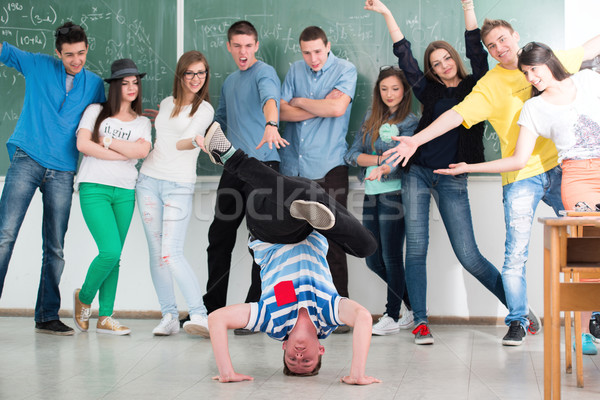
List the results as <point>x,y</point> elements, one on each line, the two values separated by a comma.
<point>144,31</point>
<point>357,35</point>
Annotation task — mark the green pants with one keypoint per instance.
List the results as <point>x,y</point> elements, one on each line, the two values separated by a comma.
<point>107,211</point>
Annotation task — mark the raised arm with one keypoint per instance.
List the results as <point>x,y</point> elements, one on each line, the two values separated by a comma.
<point>219,321</point>
<point>355,315</point>
<point>522,153</point>
<point>377,6</point>
<point>469,11</point>
<point>90,148</point>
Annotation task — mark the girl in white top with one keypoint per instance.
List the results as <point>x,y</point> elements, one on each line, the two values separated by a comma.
<point>165,190</point>
<point>112,136</point>
<point>566,109</point>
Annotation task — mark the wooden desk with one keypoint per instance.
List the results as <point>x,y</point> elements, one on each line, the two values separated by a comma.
<point>561,250</point>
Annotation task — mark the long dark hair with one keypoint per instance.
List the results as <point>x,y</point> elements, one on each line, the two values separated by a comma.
<point>380,112</point>
<point>113,104</point>
<point>536,53</point>
<point>440,44</point>
<point>187,59</point>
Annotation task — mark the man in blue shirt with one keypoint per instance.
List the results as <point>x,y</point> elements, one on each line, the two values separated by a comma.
<point>248,111</point>
<point>316,101</point>
<point>44,155</point>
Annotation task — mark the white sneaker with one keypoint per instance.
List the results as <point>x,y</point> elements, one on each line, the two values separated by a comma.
<point>197,325</point>
<point>168,326</point>
<point>386,326</point>
<point>407,319</point>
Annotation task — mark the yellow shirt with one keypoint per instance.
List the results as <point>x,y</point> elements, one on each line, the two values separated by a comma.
<point>498,97</point>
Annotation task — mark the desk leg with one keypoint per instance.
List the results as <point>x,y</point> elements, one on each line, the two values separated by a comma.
<point>547,323</point>
<point>555,307</point>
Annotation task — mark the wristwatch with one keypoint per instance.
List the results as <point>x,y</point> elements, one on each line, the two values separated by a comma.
<point>107,141</point>
<point>272,123</point>
<point>194,143</point>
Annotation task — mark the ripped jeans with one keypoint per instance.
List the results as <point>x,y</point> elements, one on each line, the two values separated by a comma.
<point>166,209</point>
<point>520,200</point>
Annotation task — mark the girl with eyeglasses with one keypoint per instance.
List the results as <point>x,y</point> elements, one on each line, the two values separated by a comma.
<point>383,215</point>
<point>566,109</point>
<point>112,136</point>
<point>442,84</point>
<point>165,191</point>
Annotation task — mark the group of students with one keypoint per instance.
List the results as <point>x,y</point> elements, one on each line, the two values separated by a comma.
<point>294,297</point>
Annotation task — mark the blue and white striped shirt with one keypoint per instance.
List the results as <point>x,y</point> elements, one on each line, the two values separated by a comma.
<point>294,276</point>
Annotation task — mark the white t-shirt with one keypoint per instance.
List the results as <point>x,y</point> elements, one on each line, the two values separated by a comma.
<point>575,127</point>
<point>122,174</point>
<point>165,162</point>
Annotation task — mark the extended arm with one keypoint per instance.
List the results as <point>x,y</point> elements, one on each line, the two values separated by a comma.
<point>86,146</point>
<point>591,48</point>
<point>219,321</point>
<point>517,161</point>
<point>271,135</point>
<point>355,315</point>
<point>469,11</point>
<point>409,144</point>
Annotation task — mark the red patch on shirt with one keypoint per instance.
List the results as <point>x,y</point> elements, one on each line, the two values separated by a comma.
<point>285,293</point>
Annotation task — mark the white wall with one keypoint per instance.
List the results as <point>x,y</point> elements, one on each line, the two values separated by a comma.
<point>452,292</point>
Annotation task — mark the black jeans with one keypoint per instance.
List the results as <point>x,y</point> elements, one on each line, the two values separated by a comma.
<point>268,215</point>
<point>335,183</point>
<point>230,207</point>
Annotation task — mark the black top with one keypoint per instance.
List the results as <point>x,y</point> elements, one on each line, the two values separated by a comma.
<point>459,144</point>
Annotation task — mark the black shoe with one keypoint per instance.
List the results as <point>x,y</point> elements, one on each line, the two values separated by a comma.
<point>54,327</point>
<point>341,329</point>
<point>515,336</point>
<point>183,321</point>
<point>595,327</point>
<point>243,332</point>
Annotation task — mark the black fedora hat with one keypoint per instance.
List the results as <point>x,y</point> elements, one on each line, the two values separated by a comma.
<point>122,68</point>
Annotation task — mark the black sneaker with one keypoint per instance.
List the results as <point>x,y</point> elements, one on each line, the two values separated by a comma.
<point>595,327</point>
<point>54,327</point>
<point>535,325</point>
<point>515,336</point>
<point>216,143</point>
<point>183,321</point>
<point>423,334</point>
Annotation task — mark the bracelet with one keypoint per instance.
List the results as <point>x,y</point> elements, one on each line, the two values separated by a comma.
<point>378,161</point>
<point>467,5</point>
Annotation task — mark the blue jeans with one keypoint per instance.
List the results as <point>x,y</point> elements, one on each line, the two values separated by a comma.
<point>451,196</point>
<point>24,176</point>
<point>520,200</point>
<point>383,215</point>
<point>166,209</point>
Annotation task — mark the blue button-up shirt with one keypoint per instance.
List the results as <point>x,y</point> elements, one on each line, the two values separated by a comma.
<point>317,145</point>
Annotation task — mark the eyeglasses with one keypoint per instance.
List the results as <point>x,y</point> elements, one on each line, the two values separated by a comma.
<point>67,29</point>
<point>188,76</point>
<point>529,46</point>
<point>386,67</point>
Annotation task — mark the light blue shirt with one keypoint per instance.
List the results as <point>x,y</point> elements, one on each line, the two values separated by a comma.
<point>317,145</point>
<point>294,276</point>
<point>240,111</point>
<point>50,114</point>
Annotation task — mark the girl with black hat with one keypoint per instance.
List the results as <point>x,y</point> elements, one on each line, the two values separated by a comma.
<point>112,136</point>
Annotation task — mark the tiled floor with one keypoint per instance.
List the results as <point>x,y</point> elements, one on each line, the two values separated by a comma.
<point>466,362</point>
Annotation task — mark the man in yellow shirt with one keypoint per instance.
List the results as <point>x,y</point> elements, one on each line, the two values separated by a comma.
<point>498,98</point>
